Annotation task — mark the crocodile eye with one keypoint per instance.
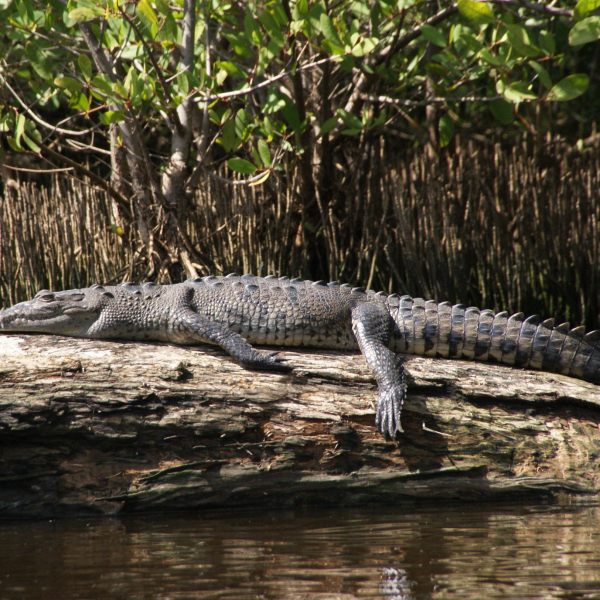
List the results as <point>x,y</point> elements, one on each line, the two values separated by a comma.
<point>46,297</point>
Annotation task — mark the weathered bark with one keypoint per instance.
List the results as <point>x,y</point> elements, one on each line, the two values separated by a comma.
<point>100,427</point>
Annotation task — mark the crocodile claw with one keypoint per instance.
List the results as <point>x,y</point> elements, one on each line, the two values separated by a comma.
<point>269,362</point>
<point>389,409</point>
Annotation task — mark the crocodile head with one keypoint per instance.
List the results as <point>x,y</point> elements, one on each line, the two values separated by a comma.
<point>62,313</point>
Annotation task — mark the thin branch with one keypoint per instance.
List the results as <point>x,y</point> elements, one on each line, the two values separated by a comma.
<point>203,147</point>
<point>157,69</point>
<point>232,181</point>
<point>95,178</point>
<point>536,7</point>
<point>57,170</point>
<point>38,120</point>
<point>388,100</point>
<point>94,149</point>
<point>415,33</point>
<point>264,83</point>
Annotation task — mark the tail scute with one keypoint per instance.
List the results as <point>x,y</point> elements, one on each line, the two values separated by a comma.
<point>511,339</point>
<point>430,329</point>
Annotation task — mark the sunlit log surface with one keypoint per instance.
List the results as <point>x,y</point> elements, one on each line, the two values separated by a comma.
<point>103,427</point>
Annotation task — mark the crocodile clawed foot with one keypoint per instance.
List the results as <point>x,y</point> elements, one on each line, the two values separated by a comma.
<point>389,409</point>
<point>279,363</point>
<point>267,361</point>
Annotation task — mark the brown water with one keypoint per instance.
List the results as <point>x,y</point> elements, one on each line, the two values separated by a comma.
<point>386,553</point>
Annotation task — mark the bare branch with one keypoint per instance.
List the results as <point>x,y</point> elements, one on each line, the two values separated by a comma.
<point>95,178</point>
<point>57,170</point>
<point>429,101</point>
<point>232,181</point>
<point>40,121</point>
<point>546,9</point>
<point>264,83</point>
<point>416,32</point>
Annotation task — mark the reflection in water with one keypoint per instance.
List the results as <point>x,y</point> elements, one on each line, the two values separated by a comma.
<point>396,585</point>
<point>388,553</point>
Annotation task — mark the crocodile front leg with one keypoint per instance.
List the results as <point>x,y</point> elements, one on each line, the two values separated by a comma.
<point>195,328</point>
<point>372,326</point>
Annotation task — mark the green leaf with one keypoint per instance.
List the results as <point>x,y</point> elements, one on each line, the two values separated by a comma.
<point>547,43</point>
<point>503,111</point>
<point>252,29</point>
<point>433,35</point>
<point>112,116</point>
<point>256,156</point>
<point>329,125</point>
<point>489,57</point>
<point>568,88</point>
<point>446,130</point>
<point>220,77</point>
<point>329,30</point>
<point>225,116</point>
<point>163,7</point>
<point>120,89</point>
<point>267,128</point>
<point>243,128</point>
<point>273,28</point>
<point>82,14</point>
<point>13,143</point>
<point>85,64</point>
<point>585,31</point>
<point>541,73</point>
<point>39,62</point>
<point>239,165</point>
<point>229,140</point>
<point>146,9</point>
<point>517,92</point>
<point>584,7</point>
<point>80,101</point>
<point>290,114</point>
<point>332,48</point>
<point>239,42</point>
<point>103,84</point>
<point>265,153</point>
<point>300,10</point>
<point>518,38</point>
<point>351,121</point>
<point>183,84</point>
<point>25,10</point>
<point>68,83</point>
<point>230,68</point>
<point>32,145</point>
<point>19,128</point>
<point>478,12</point>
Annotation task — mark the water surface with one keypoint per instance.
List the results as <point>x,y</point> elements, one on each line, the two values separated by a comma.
<point>385,553</point>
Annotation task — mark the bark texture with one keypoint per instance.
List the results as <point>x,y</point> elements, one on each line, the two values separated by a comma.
<point>102,427</point>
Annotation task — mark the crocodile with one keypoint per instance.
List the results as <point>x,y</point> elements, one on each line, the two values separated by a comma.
<point>234,312</point>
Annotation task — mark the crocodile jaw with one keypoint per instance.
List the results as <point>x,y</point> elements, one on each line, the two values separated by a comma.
<point>55,317</point>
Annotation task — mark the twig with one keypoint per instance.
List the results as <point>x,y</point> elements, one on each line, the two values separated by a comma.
<point>95,178</point>
<point>38,120</point>
<point>232,181</point>
<point>536,7</point>
<point>264,83</point>
<point>397,101</point>
<point>57,170</point>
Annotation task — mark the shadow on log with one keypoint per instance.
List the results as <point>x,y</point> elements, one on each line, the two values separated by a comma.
<point>97,427</point>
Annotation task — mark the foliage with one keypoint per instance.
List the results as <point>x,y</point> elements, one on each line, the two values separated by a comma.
<point>290,91</point>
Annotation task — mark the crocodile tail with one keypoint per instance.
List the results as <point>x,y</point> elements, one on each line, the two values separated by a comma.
<point>427,328</point>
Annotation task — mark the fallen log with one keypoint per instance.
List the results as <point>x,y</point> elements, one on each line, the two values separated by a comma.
<point>100,427</point>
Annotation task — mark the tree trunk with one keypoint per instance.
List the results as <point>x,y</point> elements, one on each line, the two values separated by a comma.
<point>102,427</point>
